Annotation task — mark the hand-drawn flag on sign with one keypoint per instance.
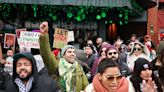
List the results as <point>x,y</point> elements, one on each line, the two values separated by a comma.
<point>60,38</point>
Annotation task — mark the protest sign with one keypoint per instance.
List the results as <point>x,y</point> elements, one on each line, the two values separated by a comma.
<point>29,39</point>
<point>24,49</point>
<point>70,36</point>
<point>60,38</point>
<point>18,31</point>
<point>9,40</point>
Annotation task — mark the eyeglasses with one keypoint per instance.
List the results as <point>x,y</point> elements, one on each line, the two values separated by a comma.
<point>111,78</point>
<point>137,49</point>
<point>110,53</point>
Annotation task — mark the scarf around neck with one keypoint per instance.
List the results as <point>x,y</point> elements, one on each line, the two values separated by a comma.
<point>22,87</point>
<point>122,86</point>
<point>66,71</point>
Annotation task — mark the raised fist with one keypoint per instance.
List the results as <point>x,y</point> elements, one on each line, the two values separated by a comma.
<point>44,27</point>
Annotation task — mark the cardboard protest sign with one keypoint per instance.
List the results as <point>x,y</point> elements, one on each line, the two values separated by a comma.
<point>60,38</point>
<point>18,31</point>
<point>71,37</point>
<point>9,40</point>
<point>29,39</point>
<point>24,49</point>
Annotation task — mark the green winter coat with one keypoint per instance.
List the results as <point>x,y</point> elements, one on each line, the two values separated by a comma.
<point>52,63</point>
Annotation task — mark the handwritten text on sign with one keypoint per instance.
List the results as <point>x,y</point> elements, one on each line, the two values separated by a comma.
<point>60,38</point>
<point>29,39</point>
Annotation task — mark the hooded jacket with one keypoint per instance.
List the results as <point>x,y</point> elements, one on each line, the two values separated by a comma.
<point>41,81</point>
<point>131,58</point>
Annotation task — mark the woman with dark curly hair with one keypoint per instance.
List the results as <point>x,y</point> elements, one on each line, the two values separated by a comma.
<point>143,79</point>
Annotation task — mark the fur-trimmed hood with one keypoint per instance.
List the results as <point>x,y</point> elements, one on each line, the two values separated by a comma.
<point>145,49</point>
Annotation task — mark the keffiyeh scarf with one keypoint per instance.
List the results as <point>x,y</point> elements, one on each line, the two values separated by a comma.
<point>66,71</point>
<point>22,87</point>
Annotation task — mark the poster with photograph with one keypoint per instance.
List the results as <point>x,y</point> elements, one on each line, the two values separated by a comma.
<point>60,38</point>
<point>9,40</point>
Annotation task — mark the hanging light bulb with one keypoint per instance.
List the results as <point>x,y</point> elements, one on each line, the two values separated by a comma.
<point>78,18</point>
<point>69,14</point>
<point>120,15</point>
<point>83,16</point>
<point>98,17</point>
<point>121,23</point>
<point>106,22</point>
<point>54,17</point>
<point>103,14</point>
<point>126,22</point>
<point>110,21</point>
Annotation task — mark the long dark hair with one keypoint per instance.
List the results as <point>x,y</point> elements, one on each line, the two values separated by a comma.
<point>136,80</point>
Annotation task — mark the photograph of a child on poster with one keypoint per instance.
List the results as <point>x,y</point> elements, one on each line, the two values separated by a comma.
<point>9,40</point>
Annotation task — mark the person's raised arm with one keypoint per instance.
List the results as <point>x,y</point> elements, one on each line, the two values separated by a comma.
<point>49,59</point>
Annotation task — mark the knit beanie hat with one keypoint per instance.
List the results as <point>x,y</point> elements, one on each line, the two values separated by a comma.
<point>64,49</point>
<point>142,64</point>
<point>104,46</point>
<point>111,47</point>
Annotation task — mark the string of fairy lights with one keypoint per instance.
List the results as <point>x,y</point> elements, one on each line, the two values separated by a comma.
<point>33,12</point>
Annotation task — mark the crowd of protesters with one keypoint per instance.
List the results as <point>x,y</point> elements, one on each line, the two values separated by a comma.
<point>133,66</point>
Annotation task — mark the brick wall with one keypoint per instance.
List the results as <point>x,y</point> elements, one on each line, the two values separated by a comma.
<point>152,24</point>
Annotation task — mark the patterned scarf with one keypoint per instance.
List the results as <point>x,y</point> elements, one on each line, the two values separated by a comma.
<point>66,71</point>
<point>22,87</point>
<point>122,86</point>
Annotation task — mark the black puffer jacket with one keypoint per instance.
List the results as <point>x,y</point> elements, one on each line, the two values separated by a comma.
<point>124,68</point>
<point>41,82</point>
<point>4,77</point>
